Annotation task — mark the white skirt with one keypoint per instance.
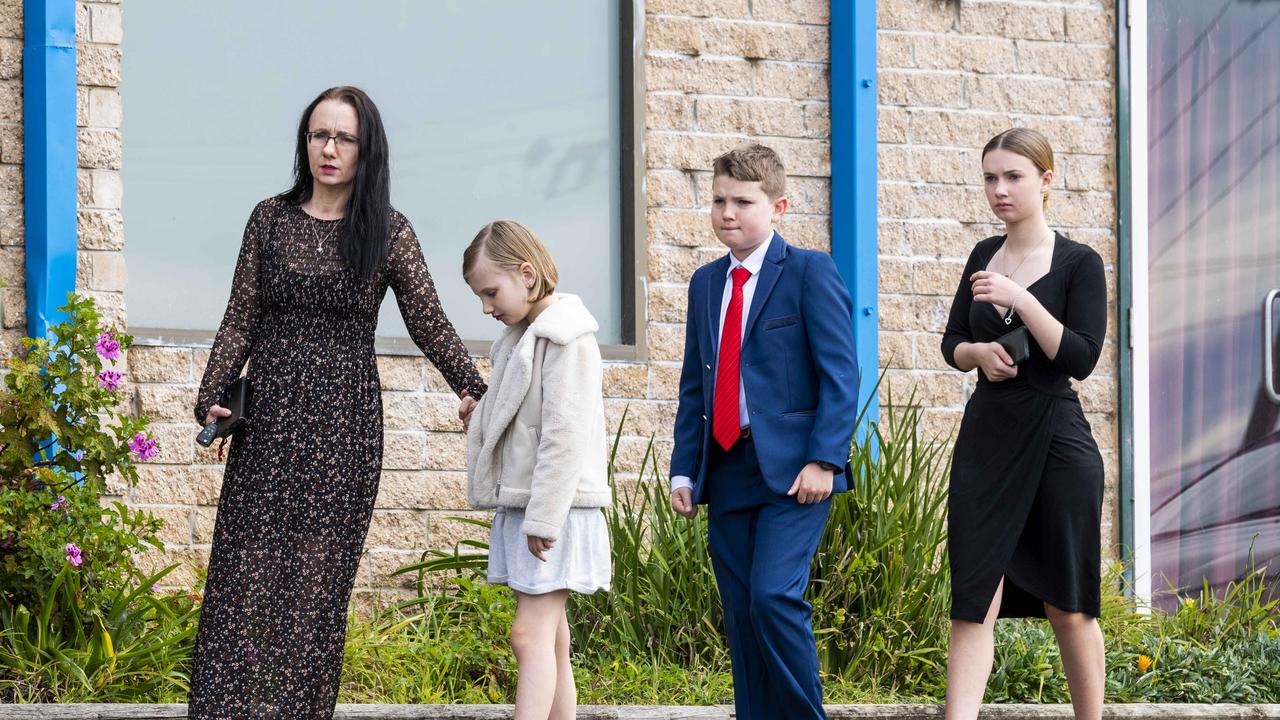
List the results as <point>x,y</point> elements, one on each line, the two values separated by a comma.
<point>580,560</point>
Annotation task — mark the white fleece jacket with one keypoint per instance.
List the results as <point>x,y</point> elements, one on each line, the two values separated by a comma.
<point>569,467</point>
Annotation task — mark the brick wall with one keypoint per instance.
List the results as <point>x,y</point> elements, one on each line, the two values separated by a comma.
<point>13,304</point>
<point>718,73</point>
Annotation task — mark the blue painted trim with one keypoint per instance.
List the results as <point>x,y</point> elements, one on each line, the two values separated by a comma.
<point>853,181</point>
<point>49,151</point>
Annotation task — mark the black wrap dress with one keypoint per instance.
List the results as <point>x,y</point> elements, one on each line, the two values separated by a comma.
<point>1025,498</point>
<point>301,479</point>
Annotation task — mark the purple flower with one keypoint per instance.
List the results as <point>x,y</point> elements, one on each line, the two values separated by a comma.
<point>78,455</point>
<point>73,555</point>
<point>143,447</point>
<point>107,346</point>
<point>109,380</point>
<point>55,506</point>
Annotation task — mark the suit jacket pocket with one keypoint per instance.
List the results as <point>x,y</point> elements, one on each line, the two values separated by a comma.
<point>777,322</point>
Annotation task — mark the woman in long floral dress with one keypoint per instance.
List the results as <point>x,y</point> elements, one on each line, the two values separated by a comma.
<point>301,479</point>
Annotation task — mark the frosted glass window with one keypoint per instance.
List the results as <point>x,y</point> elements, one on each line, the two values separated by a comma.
<point>493,109</point>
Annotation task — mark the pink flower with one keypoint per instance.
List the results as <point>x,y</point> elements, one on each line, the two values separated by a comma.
<point>73,555</point>
<point>107,346</point>
<point>55,506</point>
<point>143,447</point>
<point>109,380</point>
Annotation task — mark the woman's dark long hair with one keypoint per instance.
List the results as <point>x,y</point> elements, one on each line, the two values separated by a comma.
<point>365,236</point>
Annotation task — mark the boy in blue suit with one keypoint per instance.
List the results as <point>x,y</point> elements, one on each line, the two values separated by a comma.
<point>768,399</point>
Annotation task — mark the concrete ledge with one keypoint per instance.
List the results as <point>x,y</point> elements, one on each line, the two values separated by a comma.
<point>650,712</point>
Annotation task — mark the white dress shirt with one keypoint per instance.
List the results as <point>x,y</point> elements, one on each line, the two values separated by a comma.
<point>753,263</point>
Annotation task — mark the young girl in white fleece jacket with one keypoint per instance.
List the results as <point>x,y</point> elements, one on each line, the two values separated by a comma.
<point>536,452</point>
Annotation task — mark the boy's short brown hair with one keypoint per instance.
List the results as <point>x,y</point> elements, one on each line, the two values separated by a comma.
<point>754,163</point>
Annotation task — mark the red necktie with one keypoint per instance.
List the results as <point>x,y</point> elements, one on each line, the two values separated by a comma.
<point>725,424</point>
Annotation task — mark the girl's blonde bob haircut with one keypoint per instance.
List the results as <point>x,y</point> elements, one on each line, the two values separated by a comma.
<point>509,245</point>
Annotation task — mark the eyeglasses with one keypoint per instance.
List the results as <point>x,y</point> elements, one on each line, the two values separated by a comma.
<point>319,140</point>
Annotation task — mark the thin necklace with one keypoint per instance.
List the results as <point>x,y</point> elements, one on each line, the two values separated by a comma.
<point>1028,255</point>
<point>315,233</point>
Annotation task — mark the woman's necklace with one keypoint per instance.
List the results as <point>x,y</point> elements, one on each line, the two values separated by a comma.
<point>1028,255</point>
<point>316,233</point>
<point>1008,315</point>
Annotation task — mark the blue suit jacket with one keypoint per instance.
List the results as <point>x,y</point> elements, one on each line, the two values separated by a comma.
<point>799,367</point>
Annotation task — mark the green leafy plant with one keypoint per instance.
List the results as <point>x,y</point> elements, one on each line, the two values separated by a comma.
<point>76,614</point>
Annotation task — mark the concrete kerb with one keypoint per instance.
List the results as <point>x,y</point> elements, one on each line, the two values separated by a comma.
<point>649,712</point>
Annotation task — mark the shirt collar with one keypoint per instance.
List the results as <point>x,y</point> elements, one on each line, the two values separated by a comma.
<point>754,261</point>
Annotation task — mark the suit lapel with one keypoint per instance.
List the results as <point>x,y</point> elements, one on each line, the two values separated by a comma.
<point>715,295</point>
<point>769,273</point>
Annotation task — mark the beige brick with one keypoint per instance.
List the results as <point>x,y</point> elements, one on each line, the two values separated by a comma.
<point>929,351</point>
<point>971,54</point>
<point>959,128</point>
<point>920,87</point>
<point>669,111</point>
<point>892,124</point>
<point>107,26</point>
<point>1019,94</point>
<point>383,563</point>
<point>673,34</point>
<point>423,490</point>
<point>99,148</point>
<point>761,41</point>
<point>813,12</point>
<point>12,265</point>
<point>11,19</point>
<point>1070,134</point>
<point>1091,99</point>
<point>84,24</point>
<point>84,270</point>
<point>110,306</point>
<point>1090,25</point>
<point>1086,172</point>
<point>160,364</point>
<point>915,15</point>
<point>672,227</point>
<point>398,529</point>
<point>98,65</point>
<point>177,524</point>
<point>10,60</point>
<point>1096,396</point>
<point>203,520</point>
<point>895,50</point>
<point>667,303</point>
<point>726,76</point>
<point>751,117</point>
<point>931,165</point>
<point>176,442</point>
<point>962,203</point>
<point>803,81</point>
<point>895,200</point>
<point>930,389</point>
<point>698,8</point>
<point>109,272</point>
<point>817,119</point>
<point>108,189</point>
<point>811,232</point>
<point>105,109</point>
<point>809,195</point>
<point>1065,60</point>
<point>446,531</point>
<point>669,188</point>
<point>1076,209</point>
<point>666,341</point>
<point>177,485</point>
<point>896,350</point>
<point>664,380</point>
<point>170,403</point>
<point>403,450</point>
<point>14,301</point>
<point>671,264</point>
<point>937,277</point>
<point>894,275</point>
<point>996,18</point>
<point>624,379</point>
<point>643,418</point>
<point>10,101</point>
<point>11,190</point>
<point>446,451</point>
<point>100,230</point>
<point>397,372</point>
<point>11,144</point>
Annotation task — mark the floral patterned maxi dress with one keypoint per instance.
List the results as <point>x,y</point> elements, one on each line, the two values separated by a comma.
<point>301,479</point>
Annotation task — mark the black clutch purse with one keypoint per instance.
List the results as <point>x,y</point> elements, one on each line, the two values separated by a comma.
<point>1017,343</point>
<point>238,399</point>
